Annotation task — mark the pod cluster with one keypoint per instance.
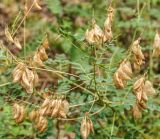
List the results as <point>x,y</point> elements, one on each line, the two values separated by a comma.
<point>96,34</point>
<point>28,78</point>
<point>56,108</point>
<point>142,90</point>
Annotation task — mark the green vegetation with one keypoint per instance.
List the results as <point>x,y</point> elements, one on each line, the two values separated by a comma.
<point>77,71</point>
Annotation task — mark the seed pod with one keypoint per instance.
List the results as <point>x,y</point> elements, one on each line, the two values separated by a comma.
<point>136,112</point>
<point>126,67</point>
<point>64,108</point>
<point>107,25</point>
<point>85,131</point>
<point>123,75</point>
<point>138,89</point>
<point>8,35</point>
<point>18,113</point>
<point>46,103</point>
<point>17,43</point>
<point>36,78</point>
<point>95,35</point>
<point>148,89</point>
<point>41,124</point>
<point>37,59</point>
<point>138,55</point>
<point>17,75</point>
<point>42,111</point>
<point>86,127</point>
<point>91,125</point>
<point>37,5</point>
<point>138,85</point>
<point>55,110</point>
<point>21,115</point>
<point>25,82</point>
<point>33,115</point>
<point>30,75</point>
<point>156,44</point>
<point>25,76</point>
<point>45,43</point>
<point>117,81</point>
<point>17,72</point>
<point>42,53</point>
<point>142,104</point>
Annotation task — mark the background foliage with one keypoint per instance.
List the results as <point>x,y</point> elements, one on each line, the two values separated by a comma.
<point>65,22</point>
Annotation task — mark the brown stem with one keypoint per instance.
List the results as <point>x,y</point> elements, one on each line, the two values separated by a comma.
<point>58,129</point>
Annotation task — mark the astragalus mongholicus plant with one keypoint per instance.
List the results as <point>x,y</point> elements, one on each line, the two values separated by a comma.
<point>87,93</point>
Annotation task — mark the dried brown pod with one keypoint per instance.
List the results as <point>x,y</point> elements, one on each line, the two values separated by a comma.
<point>117,81</point>
<point>55,110</point>
<point>18,113</point>
<point>64,109</point>
<point>123,73</point>
<point>142,104</point>
<point>45,107</point>
<point>51,107</point>
<point>86,127</point>
<point>8,35</point>
<point>139,84</point>
<point>138,89</point>
<point>46,103</point>
<point>142,90</point>
<point>33,115</point>
<point>148,88</point>
<point>41,55</point>
<point>17,43</point>
<point>136,112</point>
<point>36,78</point>
<point>18,72</point>
<point>45,43</point>
<point>37,59</point>
<point>138,55</point>
<point>108,24</point>
<point>41,124</point>
<point>28,78</point>
<point>156,44</point>
<point>36,4</point>
<point>95,35</point>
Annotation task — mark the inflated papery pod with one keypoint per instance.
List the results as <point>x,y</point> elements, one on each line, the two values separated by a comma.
<point>19,113</point>
<point>138,55</point>
<point>39,120</point>
<point>108,24</point>
<point>27,77</point>
<point>123,73</point>
<point>156,44</point>
<point>143,89</point>
<point>95,34</point>
<point>40,55</point>
<point>54,107</point>
<point>86,127</point>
